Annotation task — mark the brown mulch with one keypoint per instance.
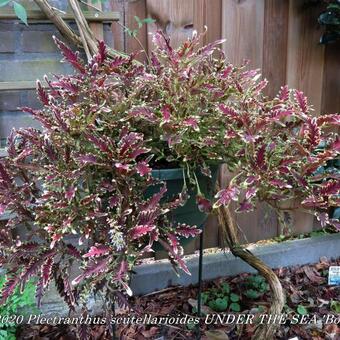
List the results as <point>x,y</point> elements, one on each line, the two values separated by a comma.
<point>304,286</point>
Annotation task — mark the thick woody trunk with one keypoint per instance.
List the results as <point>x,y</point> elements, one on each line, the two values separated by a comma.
<point>265,331</point>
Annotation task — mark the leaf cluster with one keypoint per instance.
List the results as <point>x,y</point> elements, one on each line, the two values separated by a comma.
<point>221,298</point>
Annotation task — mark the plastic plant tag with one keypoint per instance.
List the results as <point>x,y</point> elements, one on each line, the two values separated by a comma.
<point>334,275</point>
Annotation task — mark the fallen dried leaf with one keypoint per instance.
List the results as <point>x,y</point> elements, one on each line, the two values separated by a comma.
<point>204,309</point>
<point>216,335</point>
<point>313,275</point>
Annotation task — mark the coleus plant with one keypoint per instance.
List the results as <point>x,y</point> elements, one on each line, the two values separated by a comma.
<point>80,189</point>
<point>86,175</point>
<point>207,111</point>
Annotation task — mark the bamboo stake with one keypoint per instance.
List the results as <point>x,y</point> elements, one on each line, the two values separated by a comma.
<point>56,19</point>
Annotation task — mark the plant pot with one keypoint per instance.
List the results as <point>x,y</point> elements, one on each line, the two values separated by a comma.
<point>189,213</point>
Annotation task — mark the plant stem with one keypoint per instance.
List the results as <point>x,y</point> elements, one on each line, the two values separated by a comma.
<point>138,41</point>
<point>264,331</point>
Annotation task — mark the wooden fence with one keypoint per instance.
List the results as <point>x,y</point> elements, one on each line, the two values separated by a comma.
<point>281,37</point>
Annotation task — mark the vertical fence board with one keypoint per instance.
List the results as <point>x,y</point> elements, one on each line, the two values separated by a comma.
<point>242,27</point>
<point>208,15</point>
<point>174,18</point>
<point>117,31</point>
<point>132,9</point>
<point>331,80</point>
<point>275,37</point>
<point>122,41</point>
<point>97,28</point>
<point>305,56</point>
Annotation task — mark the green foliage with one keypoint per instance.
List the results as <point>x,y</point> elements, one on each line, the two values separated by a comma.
<point>252,294</point>
<point>219,304</point>
<point>17,303</point>
<point>330,19</point>
<point>218,299</point>
<point>234,297</point>
<point>335,306</point>
<point>302,310</point>
<point>140,22</point>
<point>256,286</point>
<point>225,288</point>
<point>4,2</point>
<point>235,307</point>
<point>191,326</point>
<point>20,12</point>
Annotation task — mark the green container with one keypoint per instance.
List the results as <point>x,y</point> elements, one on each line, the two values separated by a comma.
<point>189,213</point>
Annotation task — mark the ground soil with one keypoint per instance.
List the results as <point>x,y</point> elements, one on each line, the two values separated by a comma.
<point>305,286</point>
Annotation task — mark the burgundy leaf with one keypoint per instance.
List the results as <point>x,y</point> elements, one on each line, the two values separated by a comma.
<point>94,268</point>
<point>46,271</point>
<point>333,119</point>
<point>140,231</point>
<point>260,157</point>
<point>70,193</point>
<point>186,230</point>
<point>301,100</point>
<point>280,184</point>
<point>229,111</point>
<point>323,218</point>
<point>166,112</point>
<point>122,168</point>
<point>176,255</point>
<point>122,271</point>
<point>284,93</point>
<point>102,53</point>
<point>98,250</point>
<point>227,71</point>
<point>143,168</point>
<point>143,112</point>
<point>225,196</point>
<point>191,122</point>
<point>203,204</point>
<point>73,251</point>
<point>113,201</point>
<point>330,188</point>
<point>99,142</point>
<point>70,56</point>
<point>87,159</point>
<point>4,174</point>
<point>64,288</point>
<point>251,192</point>
<point>8,288</point>
<point>43,96</point>
<point>155,199</point>
<point>312,132</point>
<point>40,291</point>
<point>245,206</point>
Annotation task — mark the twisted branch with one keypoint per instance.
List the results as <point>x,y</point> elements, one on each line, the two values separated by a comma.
<point>265,331</point>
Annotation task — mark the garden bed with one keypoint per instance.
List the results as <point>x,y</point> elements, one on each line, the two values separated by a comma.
<point>309,301</point>
<point>158,275</point>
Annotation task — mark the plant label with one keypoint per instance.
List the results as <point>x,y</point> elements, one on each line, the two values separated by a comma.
<point>334,275</point>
